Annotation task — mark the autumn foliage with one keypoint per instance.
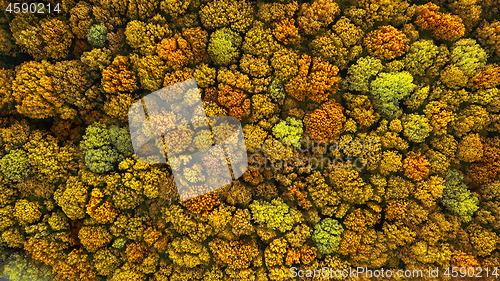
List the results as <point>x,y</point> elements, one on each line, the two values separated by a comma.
<point>371,131</point>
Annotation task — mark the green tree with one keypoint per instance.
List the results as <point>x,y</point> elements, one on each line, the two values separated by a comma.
<point>360,73</point>
<point>389,88</point>
<point>420,57</point>
<point>97,35</point>
<point>289,131</point>
<point>15,165</point>
<point>104,148</point>
<point>457,198</point>
<point>327,235</point>
<point>276,215</point>
<point>416,127</point>
<point>223,46</point>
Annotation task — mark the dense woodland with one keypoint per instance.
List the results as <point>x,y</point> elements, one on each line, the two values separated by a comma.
<point>419,81</point>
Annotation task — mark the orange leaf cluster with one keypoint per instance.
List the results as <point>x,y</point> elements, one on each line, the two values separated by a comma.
<point>117,77</point>
<point>326,122</point>
<point>202,204</point>
<point>235,100</point>
<point>285,31</point>
<point>488,78</point>
<point>445,27</point>
<point>416,166</point>
<point>314,82</point>
<point>386,42</point>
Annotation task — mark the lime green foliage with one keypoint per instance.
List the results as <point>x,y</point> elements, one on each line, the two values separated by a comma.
<point>389,88</point>
<point>468,56</point>
<point>120,138</point>
<point>420,57</point>
<point>104,148</point>
<point>457,198</point>
<point>359,74</point>
<point>416,127</point>
<point>276,215</point>
<point>327,235</point>
<point>97,35</point>
<point>21,268</point>
<point>223,46</point>
<point>289,131</point>
<point>14,166</point>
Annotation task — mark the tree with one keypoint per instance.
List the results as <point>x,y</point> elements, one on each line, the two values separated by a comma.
<point>236,14</point>
<point>360,108</point>
<point>19,267</point>
<point>223,46</point>
<point>97,35</point>
<point>289,130</point>
<point>444,26</point>
<point>329,46</point>
<point>34,91</point>
<point>104,148</point>
<point>72,198</point>
<point>360,73</point>
<point>457,198</point>
<point>386,42</point>
<point>285,64</point>
<point>234,254</point>
<point>6,96</point>
<point>94,237</point>
<point>490,36</point>
<point>468,56</point>
<point>470,148</point>
<point>276,215</point>
<point>416,166</point>
<point>44,39</point>
<point>420,57</point>
<point>188,253</point>
<point>483,240</point>
<point>27,212</point>
<point>316,80</point>
<point>81,19</point>
<point>105,261</point>
<point>286,31</point>
<point>416,127</point>
<point>317,15</point>
<point>145,36</point>
<point>327,235</point>
<point>325,123</point>
<point>488,78</point>
<point>389,88</point>
<point>118,77</point>
<point>15,165</point>
<point>429,191</point>
<point>259,41</point>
